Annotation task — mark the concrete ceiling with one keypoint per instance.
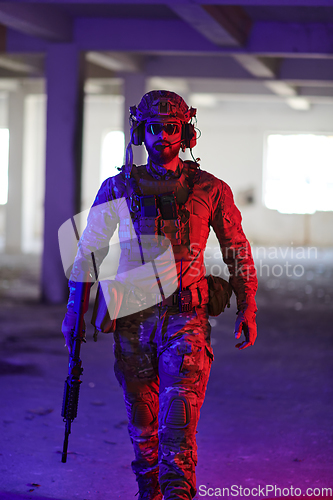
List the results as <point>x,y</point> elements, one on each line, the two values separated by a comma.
<point>272,49</point>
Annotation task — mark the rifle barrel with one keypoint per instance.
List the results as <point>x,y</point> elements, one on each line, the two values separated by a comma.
<point>65,447</point>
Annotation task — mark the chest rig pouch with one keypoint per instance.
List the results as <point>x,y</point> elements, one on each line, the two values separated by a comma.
<point>147,222</point>
<point>156,215</point>
<point>169,222</point>
<point>161,208</point>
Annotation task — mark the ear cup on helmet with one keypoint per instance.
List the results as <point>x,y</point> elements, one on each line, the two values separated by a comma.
<point>189,135</point>
<point>138,134</point>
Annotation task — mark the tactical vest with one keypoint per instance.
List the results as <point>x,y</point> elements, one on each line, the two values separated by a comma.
<point>171,208</point>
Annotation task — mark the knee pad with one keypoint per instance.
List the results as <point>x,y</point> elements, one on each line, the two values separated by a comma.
<point>142,415</point>
<point>178,412</point>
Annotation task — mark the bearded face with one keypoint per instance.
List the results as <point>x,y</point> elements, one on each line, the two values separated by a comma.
<point>163,139</point>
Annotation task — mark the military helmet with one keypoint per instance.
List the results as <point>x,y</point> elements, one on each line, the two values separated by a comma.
<point>162,103</point>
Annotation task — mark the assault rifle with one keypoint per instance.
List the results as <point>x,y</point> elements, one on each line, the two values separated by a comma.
<point>72,383</point>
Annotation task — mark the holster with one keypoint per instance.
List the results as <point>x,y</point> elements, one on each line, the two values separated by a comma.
<point>220,292</point>
<point>107,305</point>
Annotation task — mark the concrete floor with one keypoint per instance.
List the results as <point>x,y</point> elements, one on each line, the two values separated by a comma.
<point>267,418</point>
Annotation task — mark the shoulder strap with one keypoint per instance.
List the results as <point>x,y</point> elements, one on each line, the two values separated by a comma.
<point>194,172</point>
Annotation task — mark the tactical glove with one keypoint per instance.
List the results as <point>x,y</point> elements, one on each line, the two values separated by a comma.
<point>68,327</point>
<point>246,322</point>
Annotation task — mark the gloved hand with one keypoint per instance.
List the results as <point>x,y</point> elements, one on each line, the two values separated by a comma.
<point>246,321</point>
<point>68,327</point>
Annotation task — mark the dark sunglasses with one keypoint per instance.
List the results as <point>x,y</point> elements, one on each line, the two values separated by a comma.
<point>169,128</point>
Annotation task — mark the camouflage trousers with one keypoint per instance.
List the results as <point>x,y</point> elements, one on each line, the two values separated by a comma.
<point>162,361</point>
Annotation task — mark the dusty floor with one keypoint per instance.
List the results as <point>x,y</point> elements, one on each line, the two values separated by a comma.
<point>267,419</point>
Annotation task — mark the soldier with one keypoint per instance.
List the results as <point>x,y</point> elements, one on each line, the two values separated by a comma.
<point>163,352</point>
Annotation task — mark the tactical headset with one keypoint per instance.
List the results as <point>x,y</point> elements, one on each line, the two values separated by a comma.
<point>188,137</point>
<point>163,107</point>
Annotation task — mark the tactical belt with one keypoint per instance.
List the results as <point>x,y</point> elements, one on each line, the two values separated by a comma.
<point>199,293</point>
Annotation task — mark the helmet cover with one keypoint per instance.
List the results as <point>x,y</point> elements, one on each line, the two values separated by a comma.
<point>162,103</point>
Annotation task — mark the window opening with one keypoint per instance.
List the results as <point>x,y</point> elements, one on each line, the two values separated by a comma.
<point>298,173</point>
<point>112,154</point>
<point>4,145</point>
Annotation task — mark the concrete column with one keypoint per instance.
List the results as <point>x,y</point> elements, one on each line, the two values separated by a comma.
<point>64,72</point>
<point>134,88</point>
<point>13,234</point>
